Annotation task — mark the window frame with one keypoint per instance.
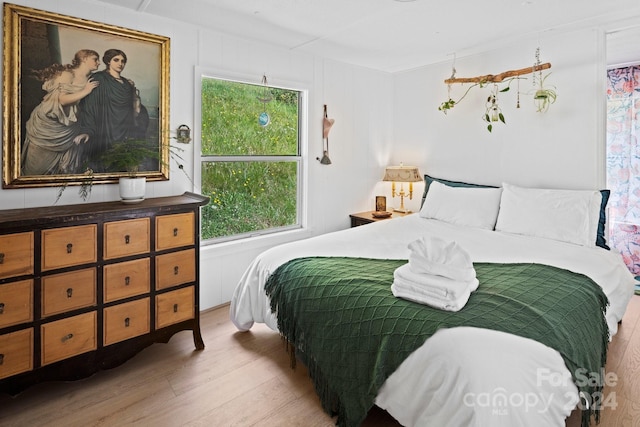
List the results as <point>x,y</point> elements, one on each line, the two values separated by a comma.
<point>301,159</point>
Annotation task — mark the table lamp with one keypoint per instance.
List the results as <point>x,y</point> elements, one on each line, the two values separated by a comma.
<point>402,174</point>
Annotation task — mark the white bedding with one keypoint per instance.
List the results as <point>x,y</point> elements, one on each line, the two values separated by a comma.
<point>460,376</point>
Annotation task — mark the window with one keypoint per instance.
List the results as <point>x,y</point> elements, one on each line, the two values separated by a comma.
<point>252,173</point>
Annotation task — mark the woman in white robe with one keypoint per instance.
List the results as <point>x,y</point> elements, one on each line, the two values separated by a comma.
<point>53,141</point>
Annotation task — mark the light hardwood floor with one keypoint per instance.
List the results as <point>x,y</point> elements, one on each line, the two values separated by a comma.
<point>243,379</point>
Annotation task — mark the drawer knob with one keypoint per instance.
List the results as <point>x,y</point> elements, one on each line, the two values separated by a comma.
<point>69,292</point>
<point>69,247</point>
<point>127,239</point>
<point>1,308</point>
<point>1,257</point>
<point>176,270</point>
<point>67,337</point>
<point>126,322</point>
<point>1,359</point>
<point>127,280</point>
<point>175,232</point>
<point>175,308</point>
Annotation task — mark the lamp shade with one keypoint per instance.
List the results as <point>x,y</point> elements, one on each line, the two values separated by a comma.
<point>402,174</point>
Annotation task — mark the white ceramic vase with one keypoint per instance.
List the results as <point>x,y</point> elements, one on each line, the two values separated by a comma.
<point>132,189</point>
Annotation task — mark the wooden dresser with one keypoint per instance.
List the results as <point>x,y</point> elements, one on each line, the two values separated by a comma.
<point>86,287</point>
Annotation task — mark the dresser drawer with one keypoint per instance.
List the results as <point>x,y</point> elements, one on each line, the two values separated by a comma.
<point>126,279</point>
<point>65,247</point>
<point>16,254</point>
<point>16,303</point>
<point>175,306</point>
<point>173,231</point>
<point>68,337</point>
<point>16,352</point>
<point>68,291</point>
<point>124,238</point>
<point>175,268</point>
<point>124,321</point>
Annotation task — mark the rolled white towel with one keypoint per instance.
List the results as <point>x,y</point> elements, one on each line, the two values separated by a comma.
<point>441,286</point>
<point>409,291</point>
<point>432,255</point>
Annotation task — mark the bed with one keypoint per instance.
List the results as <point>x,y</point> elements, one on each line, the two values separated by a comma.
<point>464,375</point>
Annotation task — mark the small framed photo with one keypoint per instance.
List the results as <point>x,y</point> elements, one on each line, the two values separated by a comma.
<point>381,203</point>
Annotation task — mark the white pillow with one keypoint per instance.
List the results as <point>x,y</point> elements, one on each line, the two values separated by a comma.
<point>566,215</point>
<point>473,207</point>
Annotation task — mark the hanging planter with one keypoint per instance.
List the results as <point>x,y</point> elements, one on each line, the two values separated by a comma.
<point>493,112</point>
<point>544,96</point>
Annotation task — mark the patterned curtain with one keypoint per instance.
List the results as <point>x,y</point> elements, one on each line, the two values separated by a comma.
<point>623,163</point>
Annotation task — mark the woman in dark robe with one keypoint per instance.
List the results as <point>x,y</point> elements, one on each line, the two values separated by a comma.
<point>112,112</point>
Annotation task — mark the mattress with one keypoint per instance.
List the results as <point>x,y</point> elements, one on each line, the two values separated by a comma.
<point>461,376</point>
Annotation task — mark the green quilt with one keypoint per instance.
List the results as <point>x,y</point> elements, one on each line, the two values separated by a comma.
<point>352,333</point>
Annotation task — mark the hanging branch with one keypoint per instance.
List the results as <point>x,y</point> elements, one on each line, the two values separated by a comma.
<point>544,96</point>
<point>490,78</point>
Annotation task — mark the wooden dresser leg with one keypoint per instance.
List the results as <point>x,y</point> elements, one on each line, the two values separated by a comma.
<point>197,338</point>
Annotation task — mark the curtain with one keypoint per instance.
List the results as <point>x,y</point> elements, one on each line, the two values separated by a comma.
<point>623,163</point>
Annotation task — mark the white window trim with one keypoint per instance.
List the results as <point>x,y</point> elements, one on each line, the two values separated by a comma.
<point>303,163</point>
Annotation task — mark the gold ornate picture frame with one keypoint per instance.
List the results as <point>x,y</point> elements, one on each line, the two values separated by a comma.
<point>59,120</point>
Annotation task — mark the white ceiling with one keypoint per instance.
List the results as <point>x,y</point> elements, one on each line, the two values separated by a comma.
<point>388,35</point>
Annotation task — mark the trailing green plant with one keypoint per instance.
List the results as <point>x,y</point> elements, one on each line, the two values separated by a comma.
<point>493,113</point>
<point>125,156</point>
<point>122,156</point>
<point>447,105</point>
<point>450,103</point>
<point>86,185</point>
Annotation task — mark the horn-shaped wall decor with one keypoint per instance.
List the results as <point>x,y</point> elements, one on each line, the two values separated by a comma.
<point>326,127</point>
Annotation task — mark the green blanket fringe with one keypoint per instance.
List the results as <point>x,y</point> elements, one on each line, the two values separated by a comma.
<point>349,330</point>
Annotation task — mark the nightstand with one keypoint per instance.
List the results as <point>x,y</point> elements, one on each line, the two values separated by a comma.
<point>363,218</point>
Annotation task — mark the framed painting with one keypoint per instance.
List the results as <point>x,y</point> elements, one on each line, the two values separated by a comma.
<point>74,89</point>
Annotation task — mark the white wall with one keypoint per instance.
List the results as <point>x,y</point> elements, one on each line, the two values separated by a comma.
<point>560,148</point>
<point>362,129</point>
<point>380,119</point>
<point>358,99</point>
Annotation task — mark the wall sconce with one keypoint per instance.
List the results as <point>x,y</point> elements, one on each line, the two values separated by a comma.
<point>402,174</point>
<point>183,134</point>
<point>327,123</point>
